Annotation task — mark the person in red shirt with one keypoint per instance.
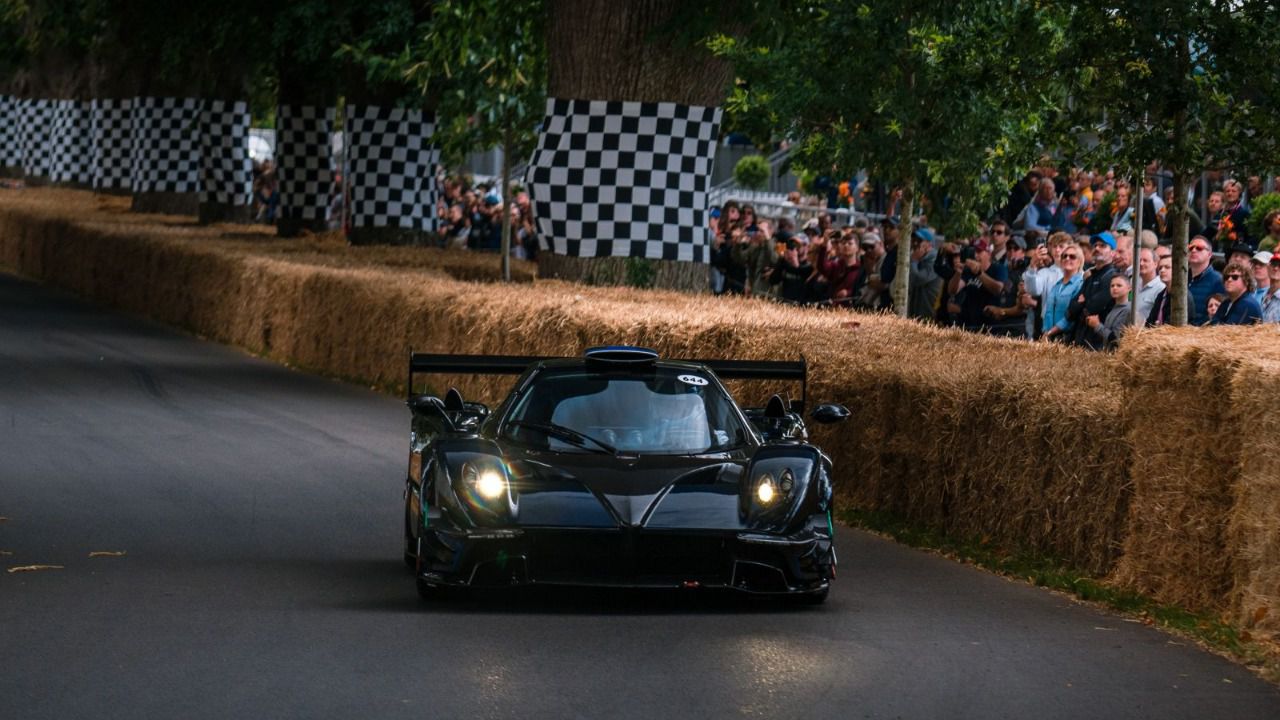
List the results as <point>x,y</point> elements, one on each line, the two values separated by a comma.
<point>839,264</point>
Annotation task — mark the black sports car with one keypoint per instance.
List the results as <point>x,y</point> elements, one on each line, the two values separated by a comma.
<point>618,469</point>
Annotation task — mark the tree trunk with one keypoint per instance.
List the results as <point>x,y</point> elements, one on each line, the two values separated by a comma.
<point>625,52</point>
<point>902,275</point>
<point>1178,216</point>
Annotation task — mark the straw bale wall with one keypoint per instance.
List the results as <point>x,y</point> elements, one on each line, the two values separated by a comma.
<point>1204,523</point>
<point>1156,466</point>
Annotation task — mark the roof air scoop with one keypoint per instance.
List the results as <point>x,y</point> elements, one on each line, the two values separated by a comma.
<point>621,355</point>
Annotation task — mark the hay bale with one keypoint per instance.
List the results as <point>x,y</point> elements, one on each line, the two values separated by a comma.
<point>1206,505</point>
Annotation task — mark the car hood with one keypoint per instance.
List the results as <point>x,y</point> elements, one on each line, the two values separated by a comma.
<point>600,490</point>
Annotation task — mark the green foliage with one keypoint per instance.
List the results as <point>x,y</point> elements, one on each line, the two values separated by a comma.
<point>1186,83</point>
<point>1259,208</point>
<point>640,272</point>
<point>752,172</point>
<point>486,61</point>
<point>946,98</point>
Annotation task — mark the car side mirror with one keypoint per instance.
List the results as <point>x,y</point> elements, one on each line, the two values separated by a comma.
<point>829,413</point>
<point>422,403</point>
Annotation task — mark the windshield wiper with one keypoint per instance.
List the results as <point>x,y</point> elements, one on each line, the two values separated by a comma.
<point>569,435</point>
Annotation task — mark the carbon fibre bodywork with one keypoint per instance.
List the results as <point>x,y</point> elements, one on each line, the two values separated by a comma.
<point>631,519</point>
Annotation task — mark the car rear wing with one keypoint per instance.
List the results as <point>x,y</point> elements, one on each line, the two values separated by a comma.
<point>438,364</point>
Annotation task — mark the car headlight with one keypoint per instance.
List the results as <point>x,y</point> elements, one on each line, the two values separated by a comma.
<point>487,482</point>
<point>766,491</point>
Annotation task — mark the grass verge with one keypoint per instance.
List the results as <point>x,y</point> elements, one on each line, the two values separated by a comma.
<point>1047,572</point>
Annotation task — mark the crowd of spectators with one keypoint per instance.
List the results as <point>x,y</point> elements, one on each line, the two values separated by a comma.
<point>1056,264</point>
<point>470,217</point>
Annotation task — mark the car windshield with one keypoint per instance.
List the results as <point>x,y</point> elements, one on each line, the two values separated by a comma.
<point>661,411</point>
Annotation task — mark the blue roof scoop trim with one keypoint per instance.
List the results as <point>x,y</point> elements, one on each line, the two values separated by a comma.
<point>622,354</point>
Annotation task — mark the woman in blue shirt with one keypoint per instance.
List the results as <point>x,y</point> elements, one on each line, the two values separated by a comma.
<point>1059,297</point>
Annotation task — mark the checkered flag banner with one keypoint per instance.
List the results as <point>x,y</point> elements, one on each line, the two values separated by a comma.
<point>226,172</point>
<point>391,168</point>
<point>165,148</point>
<point>110,127</point>
<point>624,179</point>
<point>35,131</point>
<point>10,156</point>
<point>70,143</point>
<point>302,160</point>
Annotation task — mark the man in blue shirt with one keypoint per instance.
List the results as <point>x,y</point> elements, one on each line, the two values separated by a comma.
<point>1240,307</point>
<point>1205,281</point>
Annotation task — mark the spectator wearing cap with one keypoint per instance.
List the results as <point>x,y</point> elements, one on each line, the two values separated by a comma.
<point>1151,283</point>
<point>925,282</point>
<point>1009,316</point>
<point>1271,303</point>
<point>982,283</point>
<point>869,292</point>
<point>1241,306</point>
<point>1160,307</point>
<point>1058,324</point>
<point>715,274</point>
<point>1095,292</point>
<point>1204,280</point>
<point>1105,333</point>
<point>1261,263</point>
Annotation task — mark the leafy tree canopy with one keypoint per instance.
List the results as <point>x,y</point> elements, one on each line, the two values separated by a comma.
<point>948,98</point>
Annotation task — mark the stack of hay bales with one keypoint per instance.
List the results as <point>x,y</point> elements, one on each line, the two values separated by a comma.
<point>1204,524</point>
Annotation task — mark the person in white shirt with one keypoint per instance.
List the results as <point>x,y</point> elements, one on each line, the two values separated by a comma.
<point>1151,283</point>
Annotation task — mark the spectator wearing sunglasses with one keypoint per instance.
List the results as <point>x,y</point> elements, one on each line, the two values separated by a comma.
<point>1271,303</point>
<point>1241,306</point>
<point>1205,281</point>
<point>1058,298</point>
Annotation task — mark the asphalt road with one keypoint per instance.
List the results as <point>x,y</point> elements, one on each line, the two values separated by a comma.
<point>258,510</point>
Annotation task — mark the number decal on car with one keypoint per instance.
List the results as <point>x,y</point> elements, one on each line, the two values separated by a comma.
<point>693,380</point>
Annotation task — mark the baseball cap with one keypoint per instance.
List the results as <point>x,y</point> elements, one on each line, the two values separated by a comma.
<point>1262,256</point>
<point>1105,238</point>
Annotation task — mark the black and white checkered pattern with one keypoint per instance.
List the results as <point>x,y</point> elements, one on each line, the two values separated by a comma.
<point>165,145</point>
<point>624,179</point>
<point>226,172</point>
<point>111,144</point>
<point>71,143</point>
<point>35,130</point>
<point>391,168</point>
<point>10,155</point>
<point>302,160</point>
